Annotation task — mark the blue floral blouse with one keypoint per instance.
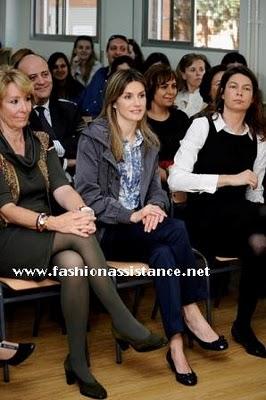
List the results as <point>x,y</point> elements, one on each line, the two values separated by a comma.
<point>130,173</point>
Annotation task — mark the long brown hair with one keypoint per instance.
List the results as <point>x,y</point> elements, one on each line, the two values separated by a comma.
<point>254,117</point>
<point>92,59</point>
<point>115,88</point>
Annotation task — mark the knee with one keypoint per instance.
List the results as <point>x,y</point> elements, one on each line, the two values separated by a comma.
<point>177,229</point>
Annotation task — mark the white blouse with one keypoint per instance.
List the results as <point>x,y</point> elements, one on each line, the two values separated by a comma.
<point>190,103</point>
<point>76,73</point>
<point>181,177</point>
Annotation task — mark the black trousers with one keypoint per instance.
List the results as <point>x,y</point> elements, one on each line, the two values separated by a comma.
<point>224,229</point>
<point>167,247</point>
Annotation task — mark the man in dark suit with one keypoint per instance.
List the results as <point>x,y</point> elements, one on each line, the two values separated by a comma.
<point>58,117</point>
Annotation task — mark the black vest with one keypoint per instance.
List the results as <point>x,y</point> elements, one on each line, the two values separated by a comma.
<point>225,154</point>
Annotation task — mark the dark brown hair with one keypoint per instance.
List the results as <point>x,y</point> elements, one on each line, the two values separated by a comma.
<point>155,76</point>
<point>254,117</point>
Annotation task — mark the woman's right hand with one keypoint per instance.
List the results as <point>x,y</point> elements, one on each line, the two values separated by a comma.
<point>75,222</point>
<point>150,215</point>
<point>246,177</point>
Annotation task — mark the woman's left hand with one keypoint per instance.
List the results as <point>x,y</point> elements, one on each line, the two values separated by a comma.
<point>150,222</point>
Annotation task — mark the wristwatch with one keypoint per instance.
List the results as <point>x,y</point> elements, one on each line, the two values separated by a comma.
<point>41,222</point>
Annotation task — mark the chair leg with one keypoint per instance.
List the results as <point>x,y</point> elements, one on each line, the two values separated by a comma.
<point>208,301</point>
<point>37,319</point>
<point>155,309</point>
<point>3,332</point>
<point>136,300</point>
<point>118,353</point>
<point>6,373</point>
<point>2,315</point>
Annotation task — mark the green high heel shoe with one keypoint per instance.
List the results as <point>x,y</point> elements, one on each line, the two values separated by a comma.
<point>152,342</point>
<point>94,389</point>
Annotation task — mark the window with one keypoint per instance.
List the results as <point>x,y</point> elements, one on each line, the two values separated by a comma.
<point>195,23</point>
<point>65,17</point>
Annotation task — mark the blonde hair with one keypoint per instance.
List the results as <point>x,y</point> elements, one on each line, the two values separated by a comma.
<point>114,89</point>
<point>11,75</point>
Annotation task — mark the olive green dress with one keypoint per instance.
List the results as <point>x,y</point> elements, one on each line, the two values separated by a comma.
<point>35,176</point>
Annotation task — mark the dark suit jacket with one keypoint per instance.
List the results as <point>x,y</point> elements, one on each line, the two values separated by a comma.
<point>67,124</point>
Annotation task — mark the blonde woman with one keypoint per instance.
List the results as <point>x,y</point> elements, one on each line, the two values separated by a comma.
<point>30,177</point>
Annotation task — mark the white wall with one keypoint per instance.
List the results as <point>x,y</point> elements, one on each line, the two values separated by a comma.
<point>125,17</point>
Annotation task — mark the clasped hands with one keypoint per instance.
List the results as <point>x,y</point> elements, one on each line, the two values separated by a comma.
<point>150,215</point>
<point>76,222</point>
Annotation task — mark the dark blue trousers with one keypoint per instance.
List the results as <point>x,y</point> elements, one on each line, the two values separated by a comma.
<point>167,247</point>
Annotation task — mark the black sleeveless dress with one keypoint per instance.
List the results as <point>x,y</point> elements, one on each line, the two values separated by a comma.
<point>220,223</point>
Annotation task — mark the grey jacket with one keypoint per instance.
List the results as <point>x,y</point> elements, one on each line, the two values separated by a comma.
<point>98,181</point>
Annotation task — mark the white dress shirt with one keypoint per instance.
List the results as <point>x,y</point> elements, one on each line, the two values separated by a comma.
<point>181,177</point>
<point>58,146</point>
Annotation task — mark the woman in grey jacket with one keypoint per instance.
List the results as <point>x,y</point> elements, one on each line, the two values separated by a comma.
<point>117,175</point>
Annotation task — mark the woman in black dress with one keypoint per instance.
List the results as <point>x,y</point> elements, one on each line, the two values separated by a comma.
<point>30,174</point>
<point>164,119</point>
<point>221,163</point>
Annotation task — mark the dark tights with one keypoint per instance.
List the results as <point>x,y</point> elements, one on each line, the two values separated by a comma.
<point>73,251</point>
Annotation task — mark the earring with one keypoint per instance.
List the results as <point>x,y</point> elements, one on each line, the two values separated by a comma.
<point>114,106</point>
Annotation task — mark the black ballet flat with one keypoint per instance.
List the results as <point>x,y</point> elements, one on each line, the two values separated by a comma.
<point>249,341</point>
<point>188,379</point>
<point>152,342</point>
<point>23,351</point>
<point>217,345</point>
<point>94,390</point>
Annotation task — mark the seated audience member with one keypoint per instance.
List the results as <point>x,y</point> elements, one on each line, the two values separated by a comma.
<point>164,119</point>
<point>190,70</point>
<point>64,85</point>
<point>18,55</point>
<point>30,175</point>
<point>92,101</point>
<point>83,60</point>
<point>15,353</point>
<point>221,163</point>
<point>117,175</point>
<point>59,118</point>
<point>233,59</point>
<point>155,58</point>
<point>136,53</point>
<point>210,84</point>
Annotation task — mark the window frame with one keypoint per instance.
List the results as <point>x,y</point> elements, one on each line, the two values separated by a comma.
<point>171,43</point>
<point>62,37</point>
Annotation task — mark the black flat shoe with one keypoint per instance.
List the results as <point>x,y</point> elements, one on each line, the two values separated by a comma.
<point>217,345</point>
<point>188,379</point>
<point>23,351</point>
<point>152,342</point>
<point>94,390</point>
<point>249,341</point>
